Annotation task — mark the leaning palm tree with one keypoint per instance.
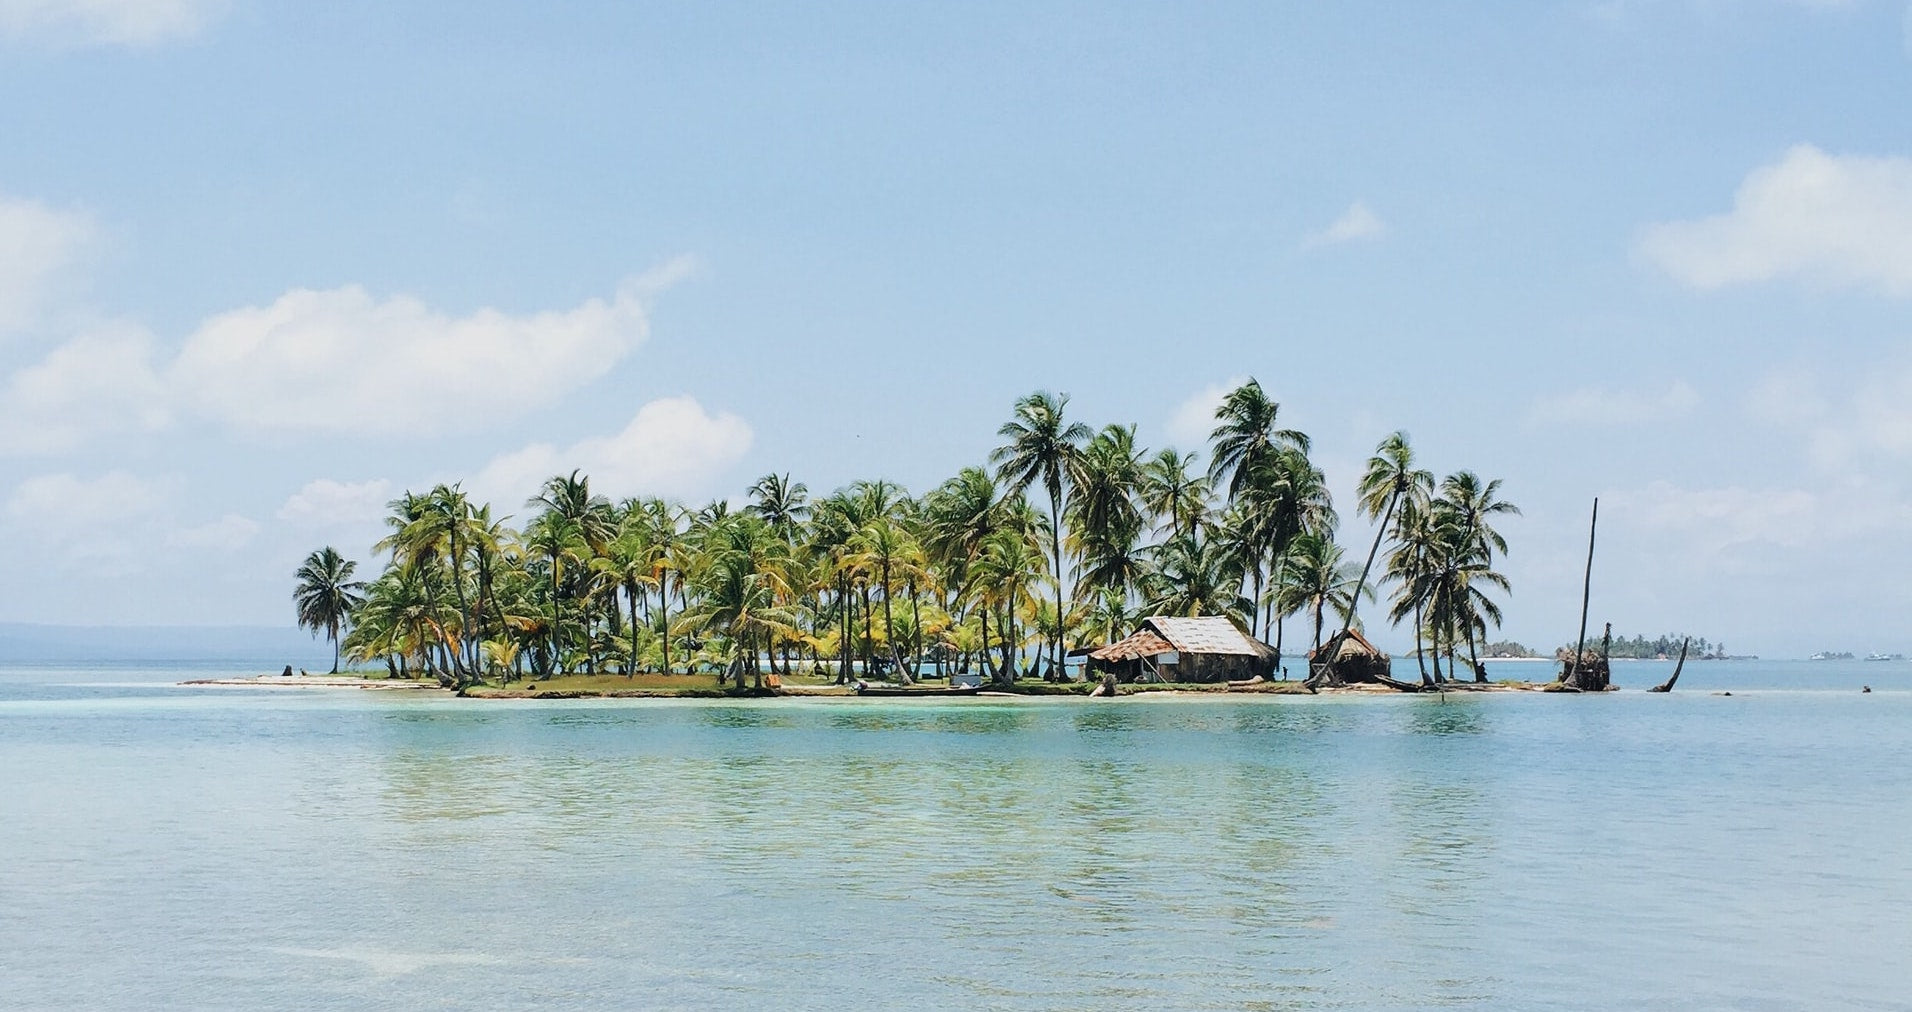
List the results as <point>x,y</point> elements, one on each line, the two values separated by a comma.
<point>1390,478</point>
<point>1042,448</point>
<point>326,595</point>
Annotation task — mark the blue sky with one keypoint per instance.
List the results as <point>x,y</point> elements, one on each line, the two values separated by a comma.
<point>264,265</point>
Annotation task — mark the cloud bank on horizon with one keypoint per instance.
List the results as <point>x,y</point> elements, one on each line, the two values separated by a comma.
<point>273,310</point>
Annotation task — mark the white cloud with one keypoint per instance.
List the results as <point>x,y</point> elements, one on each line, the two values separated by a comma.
<point>344,361</point>
<point>1356,223</point>
<point>1596,406</point>
<point>671,447</point>
<point>327,503</point>
<point>1194,418</point>
<point>1830,220</point>
<point>37,245</point>
<point>100,382</point>
<point>338,361</point>
<point>227,534</point>
<point>134,23</point>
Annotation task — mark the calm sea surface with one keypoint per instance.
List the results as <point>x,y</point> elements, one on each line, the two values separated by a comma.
<point>165,847</point>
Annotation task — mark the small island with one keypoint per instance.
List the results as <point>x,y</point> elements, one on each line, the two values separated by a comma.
<point>1008,577</point>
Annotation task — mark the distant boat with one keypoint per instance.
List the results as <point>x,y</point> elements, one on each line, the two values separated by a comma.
<point>1885,657</point>
<point>1836,655</point>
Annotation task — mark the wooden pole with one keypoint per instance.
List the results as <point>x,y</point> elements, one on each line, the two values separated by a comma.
<point>1571,675</point>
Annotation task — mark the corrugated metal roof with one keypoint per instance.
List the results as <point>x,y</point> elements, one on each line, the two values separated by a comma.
<point>1208,634</point>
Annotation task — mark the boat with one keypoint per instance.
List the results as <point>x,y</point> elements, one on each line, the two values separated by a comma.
<point>864,689</point>
<point>1885,657</point>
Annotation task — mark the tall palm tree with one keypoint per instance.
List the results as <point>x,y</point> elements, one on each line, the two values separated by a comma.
<point>783,504</point>
<point>326,595</point>
<point>1042,447</point>
<point>1105,514</point>
<point>1390,478</point>
<point>1171,492</point>
<point>1245,436</point>
<point>576,525</point>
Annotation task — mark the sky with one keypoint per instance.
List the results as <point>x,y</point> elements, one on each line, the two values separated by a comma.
<point>264,266</point>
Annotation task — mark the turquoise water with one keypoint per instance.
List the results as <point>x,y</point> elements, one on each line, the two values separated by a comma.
<point>202,848</point>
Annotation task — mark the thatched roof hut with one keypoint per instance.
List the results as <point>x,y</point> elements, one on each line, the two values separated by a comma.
<point>1175,649</point>
<point>1347,656</point>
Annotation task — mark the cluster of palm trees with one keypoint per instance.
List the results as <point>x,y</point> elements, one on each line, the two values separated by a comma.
<point>980,572</point>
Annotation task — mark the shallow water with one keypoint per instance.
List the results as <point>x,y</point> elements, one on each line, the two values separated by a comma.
<point>170,847</point>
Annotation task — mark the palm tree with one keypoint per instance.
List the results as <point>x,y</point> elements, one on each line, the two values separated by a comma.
<point>575,524</point>
<point>782,504</point>
<point>1315,579</point>
<point>884,549</point>
<point>1042,447</point>
<point>1390,477</point>
<point>742,589</point>
<point>1196,574</point>
<point>1246,436</point>
<point>1470,505</point>
<point>1171,493</point>
<point>326,595</point>
<point>1475,505</point>
<point>1105,516</point>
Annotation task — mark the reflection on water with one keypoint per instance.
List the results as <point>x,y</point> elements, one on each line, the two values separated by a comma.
<point>1293,853</point>
<point>1437,715</point>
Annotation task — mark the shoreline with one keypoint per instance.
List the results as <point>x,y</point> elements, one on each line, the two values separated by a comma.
<point>1077,691</point>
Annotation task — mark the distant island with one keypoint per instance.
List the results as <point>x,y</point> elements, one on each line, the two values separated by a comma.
<point>1664,647</point>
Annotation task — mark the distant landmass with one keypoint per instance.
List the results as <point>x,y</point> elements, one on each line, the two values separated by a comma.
<point>260,646</point>
<point>1640,648</point>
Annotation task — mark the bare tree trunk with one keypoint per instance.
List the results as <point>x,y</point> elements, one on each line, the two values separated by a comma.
<point>1586,592</point>
<point>1667,686</point>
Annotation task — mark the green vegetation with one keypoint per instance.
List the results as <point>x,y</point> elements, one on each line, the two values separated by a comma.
<point>1506,648</point>
<point>1640,648</point>
<point>592,596</point>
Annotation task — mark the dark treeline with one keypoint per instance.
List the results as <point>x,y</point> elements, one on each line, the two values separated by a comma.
<point>1067,537</point>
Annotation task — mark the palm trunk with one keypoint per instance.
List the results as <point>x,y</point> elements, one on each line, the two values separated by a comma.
<point>1420,653</point>
<point>630,595</point>
<point>1055,525</point>
<point>664,604</point>
<point>1354,605</point>
<point>557,618</point>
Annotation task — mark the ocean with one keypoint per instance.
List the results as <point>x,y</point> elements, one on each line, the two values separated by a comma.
<point>169,847</point>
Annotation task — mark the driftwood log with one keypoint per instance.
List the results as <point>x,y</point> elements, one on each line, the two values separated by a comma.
<point>1667,686</point>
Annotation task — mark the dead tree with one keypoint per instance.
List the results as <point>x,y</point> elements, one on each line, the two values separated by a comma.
<point>1571,673</point>
<point>1667,686</point>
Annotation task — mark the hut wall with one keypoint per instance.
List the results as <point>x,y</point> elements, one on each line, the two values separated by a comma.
<point>1222,667</point>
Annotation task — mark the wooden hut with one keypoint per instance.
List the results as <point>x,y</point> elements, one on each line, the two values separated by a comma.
<point>1169,649</point>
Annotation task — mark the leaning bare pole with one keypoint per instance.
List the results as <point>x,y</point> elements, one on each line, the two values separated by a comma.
<point>1586,592</point>
<point>1667,686</point>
